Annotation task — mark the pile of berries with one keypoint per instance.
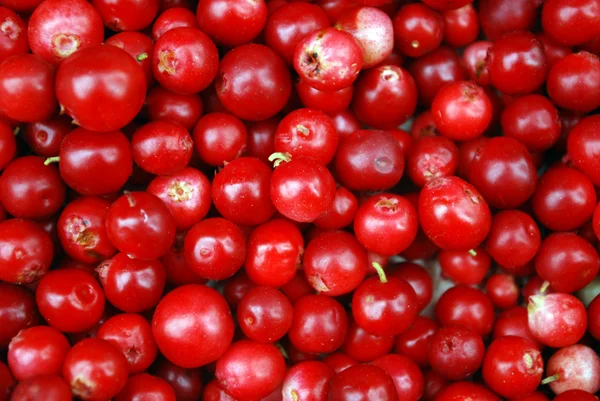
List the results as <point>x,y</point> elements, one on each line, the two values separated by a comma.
<point>299,200</point>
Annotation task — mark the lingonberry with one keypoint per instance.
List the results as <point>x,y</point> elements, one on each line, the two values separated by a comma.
<point>582,145</point>
<point>307,380</point>
<point>565,82</point>
<point>14,39</point>
<point>575,395</point>
<point>474,58</point>
<point>44,138</point>
<point>576,367</point>
<point>363,383</point>
<point>418,278</point>
<point>431,157</point>
<point>187,383</point>
<point>418,30</point>
<point>461,26</point>
<point>406,375</point>
<point>364,347</point>
<point>455,352</point>
<point>17,312</point>
<point>468,307</point>
<point>127,15</point>
<point>328,102</point>
<point>414,342</point>
<point>498,17</point>
<point>162,104</point>
<point>502,290</point>
<point>342,212</point>
<point>463,390</point>
<point>464,267</point>
<point>571,23</point>
<point>172,18</point>
<point>513,322</point>
<point>264,314</point>
<point>144,386</point>
<point>219,138</point>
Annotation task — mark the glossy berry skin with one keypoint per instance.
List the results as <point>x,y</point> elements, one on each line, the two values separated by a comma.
<point>574,367</point>
<point>132,335</point>
<point>503,171</point>
<point>466,306</point>
<point>386,224</point>
<point>582,145</point>
<point>327,102</point>
<point>575,395</point>
<point>236,373</point>
<point>95,370</point>
<point>45,137</point>
<point>335,263</point>
<point>47,388</point>
<point>172,18</point>
<point>240,191</point>
<point>513,367</point>
<point>455,352</point>
<point>196,311</point>
<point>265,87</point>
<point>406,375</point>
<point>264,314</point>
<point>385,97</point>
<point>213,392</point>
<point>215,248</point>
<point>8,145</point>
<point>418,278</point>
<point>307,133</point>
<point>27,88</point>
<point>461,110</point>
<point>363,383</point>
<point>517,63</point>
<point>556,320</point>
<point>372,29</point>
<point>216,19</point>
<point>17,311</point>
<point>302,189</point>
<point>84,84</point>
<point>132,285</point>
<point>533,120</point>
<point>307,380</point>
<point>564,199</point>
<point>14,39</point>
<point>418,30</point>
<point>139,46</point>
<point>127,15</point>
<point>369,161</point>
<point>462,227</point>
<point>162,104</point>
<point>140,225</point>
<point>567,262</point>
<point>431,157</point>
<point>187,383</point>
<point>571,23</point>
<point>462,390</point>
<point>513,322</point>
<point>319,324</point>
<point>162,147</point>
<point>260,138</point>
<point>82,230</point>
<point>187,195</point>
<point>95,163</point>
<point>26,251</point>
<point>143,386</point>
<point>328,59</point>
<point>275,251</point>
<point>289,24</point>
<point>414,342</point>
<point>364,347</point>
<point>219,138</point>
<point>37,351</point>
<point>59,28</point>
<point>70,299</point>
<point>342,212</point>
<point>384,308</point>
<point>474,58</point>
<point>185,60</point>
<point>565,82</point>
<point>461,26</point>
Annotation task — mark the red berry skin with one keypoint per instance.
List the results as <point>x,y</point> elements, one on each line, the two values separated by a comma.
<point>8,144</point>
<point>197,311</point>
<point>335,263</point>
<point>143,386</point>
<point>385,97</point>
<point>474,58</point>
<point>162,104</point>
<point>20,5</point>
<point>186,194</point>
<point>386,224</point>
<point>504,172</point>
<point>216,19</point>
<point>582,145</point>
<point>369,160</point>
<point>384,308</point>
<point>44,138</point>
<point>95,164</point>
<point>328,59</point>
<point>513,367</point>
<point>414,342</point>
<point>119,101</point>
<point>14,41</point>
<point>574,367</point>
<point>46,388</point>
<point>289,24</point>
<point>418,30</point>
<point>462,227</point>
<point>95,370</point>
<point>418,278</point>
<point>462,110</point>
<point>187,383</point>
<point>500,17</point>
<point>132,335</point>
<point>571,23</point>
<point>364,347</point>
<point>577,199</point>
<point>593,312</point>
<point>339,361</point>
<point>185,60</point>
<point>455,352</point>
<point>82,230</point>
<point>132,285</point>
<point>57,29</point>
<point>17,312</point>
<point>406,375</point>
<point>140,225</point>
<point>236,373</point>
<point>567,262</point>
<point>565,82</point>
<point>37,351</point>
<point>172,18</point>
<point>213,392</point>
<point>575,395</point>
<point>342,212</point>
<point>363,383</point>
<point>463,390</point>
<point>431,157</point>
<point>461,26</point>
<point>26,251</point>
<point>556,320</point>
<point>327,102</point>
<point>275,251</point>
<point>253,82</point>
<point>264,314</point>
<point>466,306</point>
<point>240,191</point>
<point>127,15</point>
<point>308,381</point>
<point>319,324</point>
<point>219,138</point>
<point>513,322</point>
<point>162,147</point>
<point>260,138</point>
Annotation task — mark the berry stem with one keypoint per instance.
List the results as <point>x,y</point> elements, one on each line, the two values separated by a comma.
<point>380,272</point>
<point>49,160</point>
<point>472,252</point>
<point>551,379</point>
<point>279,157</point>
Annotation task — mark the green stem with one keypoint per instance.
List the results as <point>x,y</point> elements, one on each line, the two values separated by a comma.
<point>472,252</point>
<point>49,160</point>
<point>380,272</point>
<point>551,379</point>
